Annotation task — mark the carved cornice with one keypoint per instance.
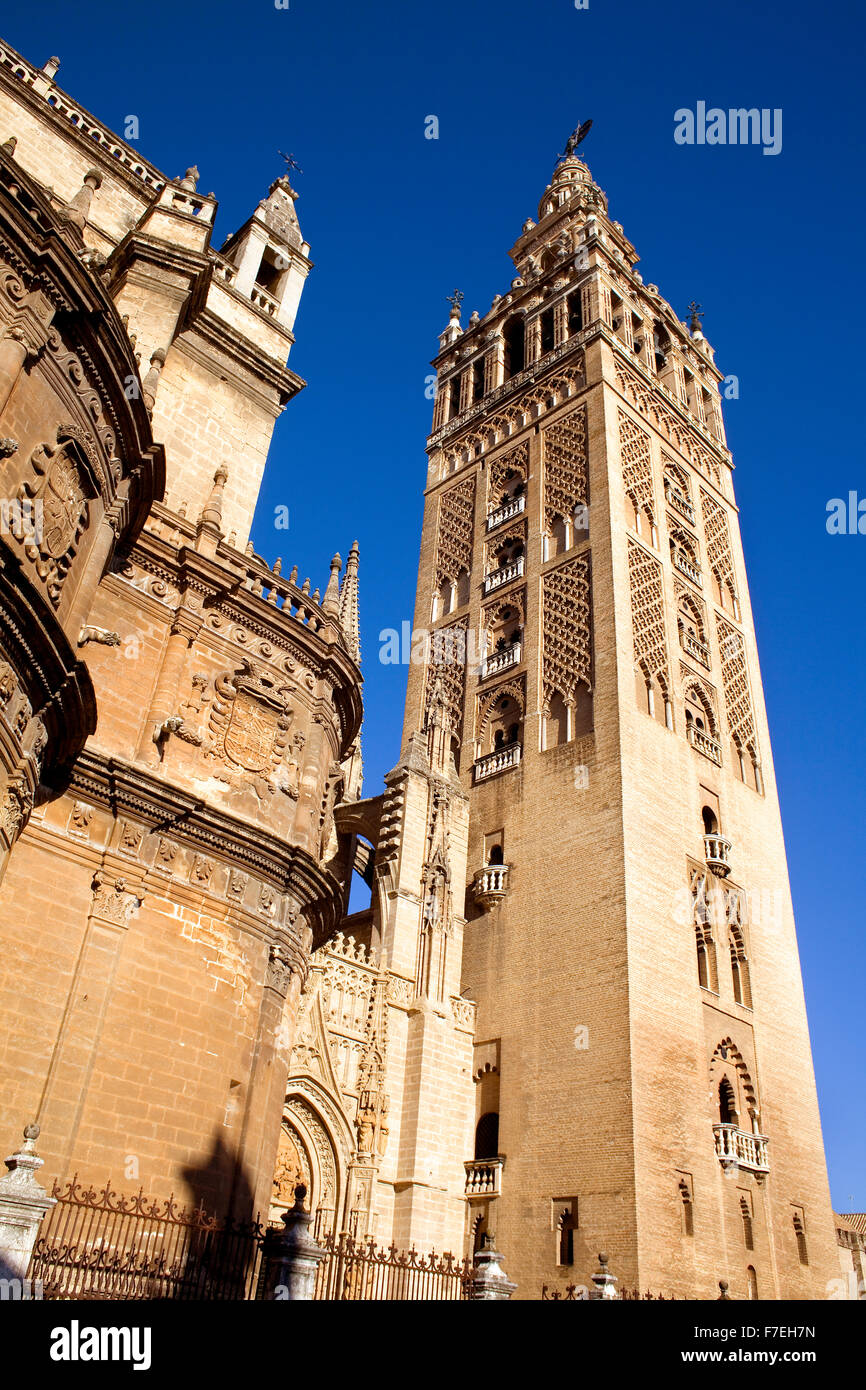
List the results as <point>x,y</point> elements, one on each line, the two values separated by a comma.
<point>133,793</point>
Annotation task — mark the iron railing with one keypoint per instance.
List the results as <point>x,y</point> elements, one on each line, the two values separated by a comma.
<point>98,1244</point>
<point>356,1270</point>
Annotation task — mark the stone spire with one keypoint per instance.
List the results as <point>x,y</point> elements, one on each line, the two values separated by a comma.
<point>349,615</point>
<point>212,512</point>
<point>331,601</point>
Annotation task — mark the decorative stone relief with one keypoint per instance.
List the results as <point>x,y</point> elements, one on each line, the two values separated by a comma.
<point>454,532</point>
<point>634,449</point>
<point>565,466</point>
<point>567,635</point>
<point>647,612</point>
<point>57,493</point>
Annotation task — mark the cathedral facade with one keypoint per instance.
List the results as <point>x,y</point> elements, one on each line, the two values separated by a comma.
<point>185,716</point>
<point>571,1018</point>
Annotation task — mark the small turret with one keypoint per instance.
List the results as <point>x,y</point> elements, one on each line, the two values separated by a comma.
<point>271,256</point>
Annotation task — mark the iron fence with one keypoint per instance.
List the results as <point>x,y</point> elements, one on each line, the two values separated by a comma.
<point>98,1244</point>
<point>356,1270</point>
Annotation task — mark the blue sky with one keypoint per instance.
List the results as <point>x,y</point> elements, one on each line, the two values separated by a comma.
<point>395,221</point>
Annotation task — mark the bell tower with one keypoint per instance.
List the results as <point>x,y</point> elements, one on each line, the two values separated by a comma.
<point>643,1077</point>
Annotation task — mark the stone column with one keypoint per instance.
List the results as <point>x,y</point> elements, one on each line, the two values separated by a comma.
<point>23,1204</point>
<point>298,1256</point>
<point>491,1283</point>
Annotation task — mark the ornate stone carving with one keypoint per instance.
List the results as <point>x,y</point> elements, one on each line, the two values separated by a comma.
<point>79,820</point>
<point>565,466</point>
<point>503,469</point>
<point>650,403</point>
<point>648,613</point>
<point>236,885</point>
<point>166,853</point>
<point>718,544</point>
<point>454,532</point>
<point>112,901</point>
<point>202,870</point>
<point>131,837</point>
<point>279,970</point>
<point>249,726</point>
<point>634,449</point>
<point>567,649</point>
<point>446,671</point>
<point>735,683</point>
<point>59,490</point>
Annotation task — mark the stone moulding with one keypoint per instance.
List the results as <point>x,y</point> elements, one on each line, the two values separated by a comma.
<point>168,811</point>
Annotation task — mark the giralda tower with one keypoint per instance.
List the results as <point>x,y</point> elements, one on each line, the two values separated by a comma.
<point>642,1070</point>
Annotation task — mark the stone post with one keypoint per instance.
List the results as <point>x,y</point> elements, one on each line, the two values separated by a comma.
<point>23,1203</point>
<point>723,1291</point>
<point>490,1282</point>
<point>605,1283</point>
<point>298,1256</point>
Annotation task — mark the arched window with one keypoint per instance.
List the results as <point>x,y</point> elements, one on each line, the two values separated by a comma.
<point>727,1103</point>
<point>748,1234</point>
<point>711,824</point>
<point>752,1281</point>
<point>495,856</point>
<point>514,338</point>
<point>487,1136</point>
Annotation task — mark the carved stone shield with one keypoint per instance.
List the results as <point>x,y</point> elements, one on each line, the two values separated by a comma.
<point>251,733</point>
<point>62,502</point>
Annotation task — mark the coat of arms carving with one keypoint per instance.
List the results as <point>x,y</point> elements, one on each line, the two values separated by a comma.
<point>249,728</point>
<point>57,495</point>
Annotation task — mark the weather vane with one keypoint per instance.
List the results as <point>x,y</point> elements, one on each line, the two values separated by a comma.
<point>455,299</point>
<point>696,316</point>
<point>291,163</point>
<point>579,134</point>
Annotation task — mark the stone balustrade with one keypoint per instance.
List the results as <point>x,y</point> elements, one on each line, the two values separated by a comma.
<point>679,502</point>
<point>736,1146</point>
<point>503,575</point>
<point>490,885</point>
<point>484,1177</point>
<point>513,507</point>
<point>718,852</point>
<point>498,761</point>
<point>702,741</point>
<point>685,566</point>
<point>693,646</point>
<point>496,662</point>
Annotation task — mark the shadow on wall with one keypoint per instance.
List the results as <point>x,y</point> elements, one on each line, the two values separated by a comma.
<point>220,1184</point>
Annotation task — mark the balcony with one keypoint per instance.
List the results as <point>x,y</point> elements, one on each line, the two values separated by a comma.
<point>498,761</point>
<point>503,575</point>
<point>706,745</point>
<point>685,566</point>
<point>490,885</point>
<point>680,502</point>
<point>718,852</point>
<point>693,646</point>
<point>484,1177</point>
<point>513,507</point>
<point>736,1148</point>
<point>497,662</point>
